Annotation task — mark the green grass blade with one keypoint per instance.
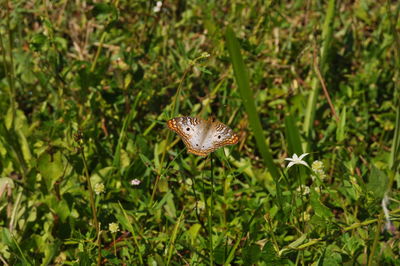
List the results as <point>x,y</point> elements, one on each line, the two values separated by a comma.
<point>124,220</point>
<point>246,93</point>
<point>394,152</point>
<point>292,135</point>
<point>341,130</point>
<point>327,36</point>
<point>171,243</point>
<point>9,240</point>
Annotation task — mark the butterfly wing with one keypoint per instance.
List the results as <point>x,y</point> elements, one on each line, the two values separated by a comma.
<point>192,130</point>
<point>218,135</point>
<point>200,136</point>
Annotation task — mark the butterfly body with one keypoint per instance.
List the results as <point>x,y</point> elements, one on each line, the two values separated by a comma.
<point>202,136</point>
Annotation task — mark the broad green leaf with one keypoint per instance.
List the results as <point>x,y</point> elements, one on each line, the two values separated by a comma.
<point>251,254</point>
<point>377,182</point>
<point>193,233</point>
<point>331,257</point>
<point>319,209</point>
<point>51,167</point>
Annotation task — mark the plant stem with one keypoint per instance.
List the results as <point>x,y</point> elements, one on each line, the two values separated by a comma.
<point>92,204</point>
<point>302,201</point>
<point>96,57</point>
<point>376,240</point>
<point>210,212</point>
<point>115,248</point>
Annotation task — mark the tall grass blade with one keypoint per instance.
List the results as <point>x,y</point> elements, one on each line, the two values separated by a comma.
<point>292,135</point>
<point>246,93</point>
<point>341,130</point>
<point>171,243</point>
<point>327,36</point>
<point>124,220</point>
<point>394,153</point>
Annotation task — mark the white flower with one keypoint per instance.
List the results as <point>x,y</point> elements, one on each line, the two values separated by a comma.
<point>99,188</point>
<point>304,188</point>
<point>305,217</point>
<point>317,189</point>
<point>205,55</point>
<point>113,227</point>
<point>318,168</point>
<point>158,6</point>
<point>135,182</point>
<point>296,160</point>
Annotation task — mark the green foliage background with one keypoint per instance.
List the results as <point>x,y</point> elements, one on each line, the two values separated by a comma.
<point>87,88</point>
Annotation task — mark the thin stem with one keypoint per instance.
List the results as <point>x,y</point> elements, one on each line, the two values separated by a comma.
<point>104,34</point>
<point>323,85</point>
<point>210,213</point>
<point>302,201</point>
<point>91,195</point>
<point>376,240</point>
<point>91,200</point>
<point>11,73</point>
<point>115,248</point>
<point>174,112</point>
<point>174,108</point>
<point>99,248</point>
<point>196,209</point>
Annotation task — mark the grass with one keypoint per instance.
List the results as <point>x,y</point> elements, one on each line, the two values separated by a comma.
<point>87,88</point>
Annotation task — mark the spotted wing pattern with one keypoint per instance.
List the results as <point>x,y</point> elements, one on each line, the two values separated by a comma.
<point>202,136</point>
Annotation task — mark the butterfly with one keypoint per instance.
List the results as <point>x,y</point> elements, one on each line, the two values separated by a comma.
<point>202,136</point>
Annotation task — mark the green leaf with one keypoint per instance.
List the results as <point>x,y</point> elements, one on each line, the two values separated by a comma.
<point>51,167</point>
<point>298,241</point>
<point>38,42</point>
<point>320,209</point>
<point>269,254</point>
<point>193,232</point>
<point>341,130</point>
<point>251,254</point>
<point>61,208</point>
<point>330,257</point>
<point>220,254</point>
<point>377,182</point>
<point>9,240</point>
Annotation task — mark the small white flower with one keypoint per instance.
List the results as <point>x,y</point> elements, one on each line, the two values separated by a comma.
<point>135,182</point>
<point>113,227</point>
<point>305,189</point>
<point>318,168</point>
<point>296,160</point>
<point>158,6</point>
<point>305,217</point>
<point>99,188</point>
